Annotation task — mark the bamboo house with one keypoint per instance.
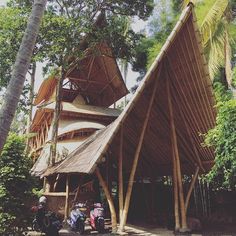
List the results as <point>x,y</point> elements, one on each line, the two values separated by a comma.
<point>156,135</point>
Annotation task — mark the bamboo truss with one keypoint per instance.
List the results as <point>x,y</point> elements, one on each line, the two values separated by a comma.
<point>176,160</point>
<point>136,158</point>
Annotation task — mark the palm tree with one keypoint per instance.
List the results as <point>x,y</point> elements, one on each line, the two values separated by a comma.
<point>213,19</point>
<point>19,71</point>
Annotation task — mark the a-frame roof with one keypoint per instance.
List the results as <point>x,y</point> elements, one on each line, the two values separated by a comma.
<point>181,62</point>
<point>96,76</point>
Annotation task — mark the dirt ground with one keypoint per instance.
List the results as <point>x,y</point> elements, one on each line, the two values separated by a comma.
<point>151,231</point>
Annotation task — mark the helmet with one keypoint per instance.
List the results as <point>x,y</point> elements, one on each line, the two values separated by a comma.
<point>43,200</point>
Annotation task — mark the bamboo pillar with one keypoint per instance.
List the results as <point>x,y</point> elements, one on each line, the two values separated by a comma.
<point>78,189</point>
<point>109,200</point>
<point>56,182</point>
<point>191,188</point>
<point>46,185</point>
<point>67,198</point>
<point>176,197</point>
<point>135,162</point>
<point>177,160</point>
<point>120,170</point>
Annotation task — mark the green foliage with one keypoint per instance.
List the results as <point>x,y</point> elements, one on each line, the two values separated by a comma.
<point>223,138</point>
<point>160,25</point>
<point>160,38</point>
<point>234,77</point>
<point>12,25</point>
<point>15,187</point>
<point>65,25</point>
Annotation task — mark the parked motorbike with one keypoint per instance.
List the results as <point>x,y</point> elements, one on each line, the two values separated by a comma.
<point>46,222</point>
<point>97,220</point>
<point>77,218</point>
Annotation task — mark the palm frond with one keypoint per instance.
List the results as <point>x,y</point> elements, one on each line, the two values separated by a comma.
<point>215,49</point>
<point>212,19</point>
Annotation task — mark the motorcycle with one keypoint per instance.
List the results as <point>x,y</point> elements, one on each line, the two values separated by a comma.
<point>46,222</point>
<point>77,218</point>
<point>97,220</point>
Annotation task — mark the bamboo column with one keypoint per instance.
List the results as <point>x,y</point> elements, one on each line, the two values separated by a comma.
<point>176,197</point>
<point>177,160</point>
<point>56,182</point>
<point>67,198</point>
<point>46,185</point>
<point>135,162</point>
<point>78,189</point>
<point>120,170</point>
<point>191,188</point>
<point>109,200</point>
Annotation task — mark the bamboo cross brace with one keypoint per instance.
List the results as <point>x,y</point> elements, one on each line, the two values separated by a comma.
<point>185,103</point>
<point>192,142</point>
<point>176,154</point>
<point>56,182</point>
<point>183,117</point>
<point>90,67</point>
<point>120,173</point>
<point>109,200</point>
<point>191,189</point>
<point>78,188</point>
<point>136,158</point>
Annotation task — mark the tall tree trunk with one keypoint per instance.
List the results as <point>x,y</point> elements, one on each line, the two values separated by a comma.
<point>31,99</point>
<point>56,117</point>
<point>20,68</point>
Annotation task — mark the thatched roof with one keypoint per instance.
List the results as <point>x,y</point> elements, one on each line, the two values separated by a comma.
<point>96,76</point>
<point>77,111</point>
<point>64,148</point>
<point>181,62</point>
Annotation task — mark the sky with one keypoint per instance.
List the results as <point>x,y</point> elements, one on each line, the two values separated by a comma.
<point>3,2</point>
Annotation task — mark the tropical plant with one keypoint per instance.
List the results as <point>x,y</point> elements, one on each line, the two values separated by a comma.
<point>215,20</point>
<point>223,138</point>
<point>15,187</point>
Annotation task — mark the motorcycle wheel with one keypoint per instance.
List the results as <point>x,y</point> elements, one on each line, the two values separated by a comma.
<point>52,232</point>
<point>35,226</point>
<point>100,226</point>
<point>80,227</point>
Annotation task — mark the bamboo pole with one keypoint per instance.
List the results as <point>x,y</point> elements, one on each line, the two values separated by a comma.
<point>135,162</point>
<point>56,182</point>
<point>109,200</point>
<point>192,120</point>
<point>67,198</point>
<point>78,189</point>
<point>176,197</point>
<point>46,185</point>
<point>191,139</point>
<point>191,188</point>
<point>176,154</point>
<point>120,169</point>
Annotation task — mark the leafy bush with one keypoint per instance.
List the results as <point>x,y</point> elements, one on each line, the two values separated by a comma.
<point>223,138</point>
<point>15,187</point>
